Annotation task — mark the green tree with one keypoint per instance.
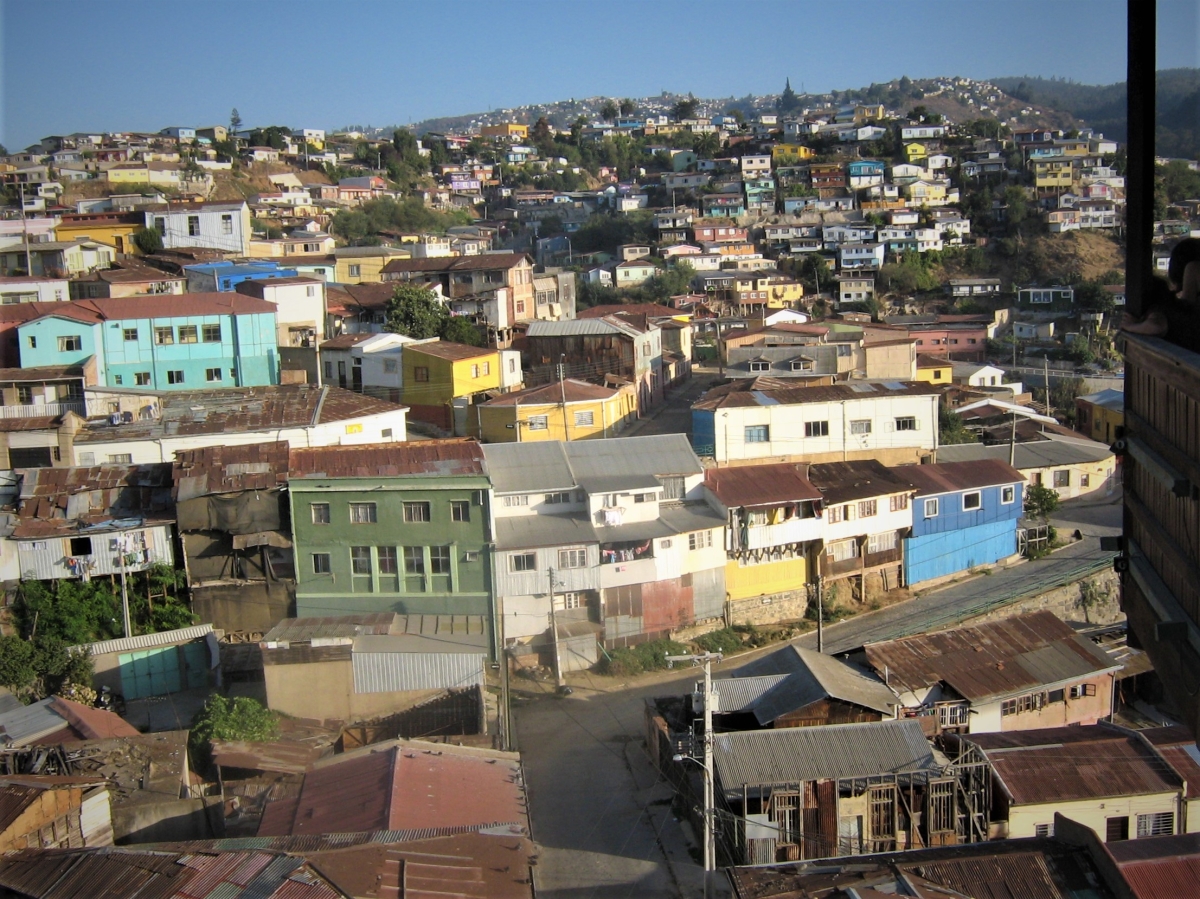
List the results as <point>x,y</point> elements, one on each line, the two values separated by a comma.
<point>951,429</point>
<point>457,329</point>
<point>609,111</point>
<point>627,106</point>
<point>148,240</point>
<point>1040,502</point>
<point>542,136</point>
<point>235,121</point>
<point>737,114</point>
<point>669,283</point>
<point>241,718</point>
<point>3,150</point>
<point>416,312</point>
<point>788,102</point>
<point>35,669</point>
<point>684,109</point>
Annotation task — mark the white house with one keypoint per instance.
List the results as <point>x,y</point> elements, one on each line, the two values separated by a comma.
<point>860,255</point>
<point>366,363</point>
<point>218,226</point>
<point>973,374</point>
<point>299,307</point>
<point>18,289</point>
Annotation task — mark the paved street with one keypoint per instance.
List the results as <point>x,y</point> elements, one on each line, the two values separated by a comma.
<point>674,416</point>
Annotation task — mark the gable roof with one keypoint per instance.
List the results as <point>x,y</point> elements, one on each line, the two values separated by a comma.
<point>1056,449</point>
<point>949,477</point>
<point>985,662</point>
<point>750,486</point>
<point>841,482</point>
<point>576,391</point>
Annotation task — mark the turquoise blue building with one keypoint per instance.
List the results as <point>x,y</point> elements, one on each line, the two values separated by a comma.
<point>165,342</point>
<point>965,515</point>
<point>223,277</point>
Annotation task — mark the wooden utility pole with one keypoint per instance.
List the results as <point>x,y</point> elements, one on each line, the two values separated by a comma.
<point>558,675</point>
<point>562,388</point>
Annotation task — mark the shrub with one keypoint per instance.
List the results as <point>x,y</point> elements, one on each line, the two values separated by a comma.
<point>726,640</point>
<point>242,718</point>
<point>651,656</point>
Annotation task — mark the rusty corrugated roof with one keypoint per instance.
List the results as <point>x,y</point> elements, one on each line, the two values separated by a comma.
<point>774,484</point>
<point>1066,764</point>
<point>444,349</point>
<point>286,757</point>
<point>440,458</point>
<point>799,395</point>
<point>66,499</point>
<point>987,661</point>
<point>841,482</point>
<point>947,477</point>
<point>480,263</point>
<point>1159,867</point>
<point>229,469</point>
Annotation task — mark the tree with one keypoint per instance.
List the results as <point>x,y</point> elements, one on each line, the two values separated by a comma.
<point>235,121</point>
<point>669,283</point>
<point>148,241</point>
<point>788,101</point>
<point>627,107</point>
<point>416,312</point>
<point>35,669</point>
<point>737,115</point>
<point>3,150</point>
<point>542,136</point>
<point>609,111</point>
<point>684,109</point>
<point>951,429</point>
<point>241,718</point>
<point>457,329</point>
<point>1040,502</point>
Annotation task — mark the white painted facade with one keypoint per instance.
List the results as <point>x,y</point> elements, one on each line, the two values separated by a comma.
<point>299,309</point>
<point>219,226</point>
<point>33,290</point>
<point>48,558</point>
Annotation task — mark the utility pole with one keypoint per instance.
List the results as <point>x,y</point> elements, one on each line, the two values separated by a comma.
<point>124,589</point>
<point>710,842</point>
<point>1012,443</point>
<point>820,611</point>
<point>1046,375</point>
<point>562,388</point>
<point>25,231</point>
<point>558,676</point>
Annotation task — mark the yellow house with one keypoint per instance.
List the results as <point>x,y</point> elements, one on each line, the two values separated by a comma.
<point>869,112</point>
<point>925,190</point>
<point>439,373</point>
<point>1054,172</point>
<point>364,265</point>
<point>114,229</point>
<point>789,154</point>
<point>784,294</point>
<point>510,130</point>
<point>1100,415</point>
<point>539,413</point>
<point>933,370</point>
<point>915,152</point>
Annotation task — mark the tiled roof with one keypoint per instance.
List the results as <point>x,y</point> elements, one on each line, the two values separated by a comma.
<point>432,458</point>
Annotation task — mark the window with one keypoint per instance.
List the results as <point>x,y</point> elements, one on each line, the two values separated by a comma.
<point>972,501</point>
<point>554,499</point>
<point>319,512</point>
<point>121,458</point>
<point>320,563</point>
<point>227,224</point>
<point>415,511</point>
<point>1008,494</point>
<point>187,333</point>
<point>164,336</point>
<point>362,513</point>
<point>1056,696</point>
<point>24,395</point>
<point>842,550</point>
<point>1156,824</point>
<point>421,373</point>
<point>389,366</point>
<point>360,560</point>
<point>70,344</point>
<point>843,350</point>
<point>211,334</point>
<point>522,562</point>
<point>118,380</point>
<point>868,508</point>
<point>33,343</point>
<point>646,348</point>
<point>193,225</point>
<point>474,371</point>
<point>816,429</point>
<point>310,291</point>
<point>898,503</point>
<point>572,558</point>
<point>863,426</point>
<point>585,419</point>
<point>937,374</point>
<point>355,271</point>
<point>141,378</point>
<point>414,560</point>
<point>175,377</point>
<point>212,374</point>
<point>510,501</point>
<point>1081,690</point>
<point>906,423</point>
<point>487,368</point>
<point>643,497</point>
<point>160,224</point>
<point>439,560</point>
<point>387,559</point>
<point>130,333</point>
<point>460,510</point>
<point>1085,480</point>
<point>1043,830</point>
<point>1062,478</point>
<point>835,514</point>
<point>878,543</point>
<point>700,540</point>
<point>538,423</point>
<point>758,434</point>
<point>573,600</point>
<point>760,366</point>
<point>1116,829</point>
<point>81,546</point>
<point>931,508</point>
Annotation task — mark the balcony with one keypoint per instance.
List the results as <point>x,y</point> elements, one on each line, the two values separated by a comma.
<point>795,530</point>
<point>47,410</point>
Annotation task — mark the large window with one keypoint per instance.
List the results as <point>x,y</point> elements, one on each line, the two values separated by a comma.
<point>878,543</point>
<point>1156,824</point>
<point>522,562</point>
<point>360,560</point>
<point>842,550</point>
<point>868,508</point>
<point>572,558</point>
<point>861,427</point>
<point>700,540</point>
<point>193,225</point>
<point>538,423</point>
<point>70,344</point>
<point>387,559</point>
<point>972,501</point>
<point>585,419</point>
<point>175,376</point>
<point>416,511</point>
<point>816,429</point>
<point>1062,478</point>
<point>758,434</point>
<point>362,513</point>
<point>212,374</point>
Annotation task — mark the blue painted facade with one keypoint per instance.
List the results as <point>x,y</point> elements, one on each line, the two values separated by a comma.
<point>956,539</point>
<point>224,277</point>
<point>163,352</point>
<point>863,167</point>
<point>704,432</point>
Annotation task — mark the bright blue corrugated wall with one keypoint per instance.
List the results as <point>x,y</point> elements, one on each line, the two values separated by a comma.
<point>704,435</point>
<point>937,555</point>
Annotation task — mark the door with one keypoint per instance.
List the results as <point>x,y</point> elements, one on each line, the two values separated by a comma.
<point>150,672</point>
<point>342,375</point>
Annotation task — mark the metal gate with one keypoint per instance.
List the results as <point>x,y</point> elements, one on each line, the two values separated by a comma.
<point>165,669</point>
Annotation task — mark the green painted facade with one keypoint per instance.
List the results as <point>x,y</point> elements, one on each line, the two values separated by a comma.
<point>398,562</point>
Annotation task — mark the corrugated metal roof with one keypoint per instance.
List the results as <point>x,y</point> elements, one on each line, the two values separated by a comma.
<point>818,676</point>
<point>775,484</point>
<point>1066,764</point>
<point>387,672</point>
<point>528,467</point>
<point>1018,876</point>
<point>736,694</point>
<point>794,754</point>
<point>288,757</point>
<point>551,394</point>
<point>302,630</point>
<point>660,455</point>
<point>1178,747</point>
<point>229,469</point>
<point>1031,453</point>
<point>582,326</point>
<point>721,398</point>
<point>683,518</point>
<point>948,477</point>
<point>841,482</point>
<point>424,458</point>
<point>988,661</point>
<point>533,531</point>
<point>146,641</point>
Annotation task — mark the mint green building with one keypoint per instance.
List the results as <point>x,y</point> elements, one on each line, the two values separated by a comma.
<point>398,527</point>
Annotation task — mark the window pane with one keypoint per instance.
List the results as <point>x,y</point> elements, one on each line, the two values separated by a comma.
<point>360,559</point>
<point>460,510</point>
<point>439,559</point>
<point>320,563</point>
<point>387,559</point>
<point>416,511</point>
<point>414,560</point>
<point>320,513</point>
<point>362,513</point>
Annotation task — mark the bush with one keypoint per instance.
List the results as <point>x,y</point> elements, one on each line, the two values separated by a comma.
<point>726,640</point>
<point>651,656</point>
<point>242,718</point>
<point>35,669</point>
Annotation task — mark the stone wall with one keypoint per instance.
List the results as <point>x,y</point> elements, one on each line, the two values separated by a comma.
<point>770,609</point>
<point>1095,600</point>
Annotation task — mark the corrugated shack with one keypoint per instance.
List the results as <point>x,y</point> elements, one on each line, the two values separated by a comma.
<point>53,720</point>
<point>1028,671</point>
<point>54,812</point>
<point>796,687</point>
<point>187,658</point>
<point>86,522</point>
<point>844,789</point>
<point>232,517</point>
<point>354,667</point>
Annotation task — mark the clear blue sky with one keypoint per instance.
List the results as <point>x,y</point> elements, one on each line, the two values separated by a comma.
<point>131,65</point>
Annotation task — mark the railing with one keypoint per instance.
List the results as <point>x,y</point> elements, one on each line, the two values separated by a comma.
<point>883,557</point>
<point>43,410</point>
<point>796,530</point>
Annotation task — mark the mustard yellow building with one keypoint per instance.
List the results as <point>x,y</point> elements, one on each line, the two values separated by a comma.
<point>915,152</point>
<point>1100,415</point>
<point>537,414</point>
<point>114,229</point>
<point>364,265</point>
<point>440,378</point>
<point>789,154</point>
<point>1054,172</point>
<point>933,370</point>
<point>510,130</point>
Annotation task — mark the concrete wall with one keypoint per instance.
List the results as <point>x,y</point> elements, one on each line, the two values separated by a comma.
<point>1092,813</point>
<point>326,690</point>
<point>1067,602</point>
<point>168,820</point>
<point>769,609</point>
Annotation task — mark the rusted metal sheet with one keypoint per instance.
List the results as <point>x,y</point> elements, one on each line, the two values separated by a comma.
<point>227,469</point>
<point>666,605</point>
<point>424,457</point>
<point>761,485</point>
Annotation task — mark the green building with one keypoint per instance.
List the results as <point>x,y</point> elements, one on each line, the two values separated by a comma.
<point>395,527</point>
